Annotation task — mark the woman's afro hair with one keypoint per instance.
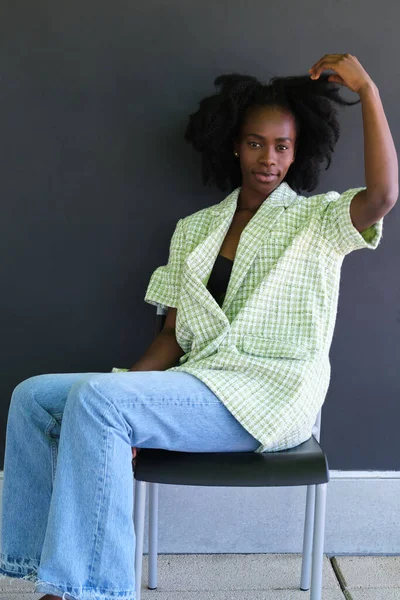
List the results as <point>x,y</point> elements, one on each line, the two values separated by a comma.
<point>217,123</point>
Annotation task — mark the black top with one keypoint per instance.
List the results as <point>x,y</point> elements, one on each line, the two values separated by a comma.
<point>219,278</point>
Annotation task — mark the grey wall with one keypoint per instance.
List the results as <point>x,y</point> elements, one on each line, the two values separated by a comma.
<point>94,100</point>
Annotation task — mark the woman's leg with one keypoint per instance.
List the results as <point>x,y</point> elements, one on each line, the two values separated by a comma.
<point>89,545</point>
<point>33,428</point>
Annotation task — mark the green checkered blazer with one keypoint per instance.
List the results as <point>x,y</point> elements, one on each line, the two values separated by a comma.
<point>265,351</point>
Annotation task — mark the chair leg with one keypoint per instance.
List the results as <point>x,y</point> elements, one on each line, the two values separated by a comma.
<point>138,518</point>
<point>307,539</point>
<point>153,535</point>
<point>318,542</point>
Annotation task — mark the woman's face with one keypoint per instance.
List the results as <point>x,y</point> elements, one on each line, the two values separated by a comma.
<point>261,151</point>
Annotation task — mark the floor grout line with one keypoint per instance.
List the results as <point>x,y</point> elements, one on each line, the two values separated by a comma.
<point>340,577</point>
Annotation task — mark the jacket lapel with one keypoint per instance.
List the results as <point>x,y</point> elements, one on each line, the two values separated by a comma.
<point>200,261</point>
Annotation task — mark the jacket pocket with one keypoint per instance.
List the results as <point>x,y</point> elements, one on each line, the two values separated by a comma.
<point>268,347</point>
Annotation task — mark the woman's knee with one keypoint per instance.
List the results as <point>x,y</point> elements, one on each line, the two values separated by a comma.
<point>23,395</point>
<point>31,384</point>
<point>48,390</point>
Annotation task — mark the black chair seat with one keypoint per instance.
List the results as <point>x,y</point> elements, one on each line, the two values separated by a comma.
<point>305,464</point>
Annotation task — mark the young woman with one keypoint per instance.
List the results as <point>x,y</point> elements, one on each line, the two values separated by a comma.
<point>251,288</point>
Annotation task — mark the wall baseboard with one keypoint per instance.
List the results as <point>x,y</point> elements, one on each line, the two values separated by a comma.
<point>365,474</point>
<point>362,517</point>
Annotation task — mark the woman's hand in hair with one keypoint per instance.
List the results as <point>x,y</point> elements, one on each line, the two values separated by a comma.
<point>348,71</point>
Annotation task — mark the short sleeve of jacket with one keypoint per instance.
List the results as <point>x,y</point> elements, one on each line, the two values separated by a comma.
<point>164,286</point>
<point>338,228</point>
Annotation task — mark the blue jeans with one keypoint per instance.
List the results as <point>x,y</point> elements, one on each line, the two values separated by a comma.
<point>67,520</point>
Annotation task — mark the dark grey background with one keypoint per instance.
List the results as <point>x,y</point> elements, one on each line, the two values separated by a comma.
<point>95,173</point>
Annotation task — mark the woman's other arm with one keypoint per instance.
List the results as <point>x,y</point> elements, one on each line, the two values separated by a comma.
<point>164,351</point>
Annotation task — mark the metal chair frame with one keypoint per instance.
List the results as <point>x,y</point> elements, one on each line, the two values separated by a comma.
<point>314,523</point>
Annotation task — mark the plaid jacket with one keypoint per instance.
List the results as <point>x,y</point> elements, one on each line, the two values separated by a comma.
<point>265,351</point>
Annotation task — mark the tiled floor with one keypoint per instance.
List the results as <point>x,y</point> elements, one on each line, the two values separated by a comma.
<point>254,577</point>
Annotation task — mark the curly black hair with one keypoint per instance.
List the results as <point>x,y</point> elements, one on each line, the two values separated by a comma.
<point>217,123</point>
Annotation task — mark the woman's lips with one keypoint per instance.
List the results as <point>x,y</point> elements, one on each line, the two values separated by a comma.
<point>264,178</point>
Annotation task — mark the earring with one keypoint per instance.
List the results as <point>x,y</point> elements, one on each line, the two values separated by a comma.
<point>236,154</point>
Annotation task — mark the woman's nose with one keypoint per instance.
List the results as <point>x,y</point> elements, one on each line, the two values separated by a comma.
<point>268,154</point>
<point>268,157</point>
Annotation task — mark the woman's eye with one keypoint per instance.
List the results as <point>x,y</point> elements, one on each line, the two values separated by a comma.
<point>259,144</point>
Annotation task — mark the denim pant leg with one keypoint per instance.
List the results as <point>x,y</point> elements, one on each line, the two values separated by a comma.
<point>33,426</point>
<point>89,546</point>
